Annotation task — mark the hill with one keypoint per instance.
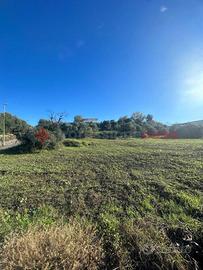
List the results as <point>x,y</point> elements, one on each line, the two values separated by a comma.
<point>190,130</point>
<point>196,123</point>
<point>142,197</point>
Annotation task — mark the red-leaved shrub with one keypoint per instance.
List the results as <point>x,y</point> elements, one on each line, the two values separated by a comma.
<point>42,136</point>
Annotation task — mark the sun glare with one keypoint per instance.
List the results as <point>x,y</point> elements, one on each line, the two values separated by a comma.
<point>192,85</point>
<point>194,89</point>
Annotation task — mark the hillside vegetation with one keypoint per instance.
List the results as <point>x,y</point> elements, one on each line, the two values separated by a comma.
<point>136,203</point>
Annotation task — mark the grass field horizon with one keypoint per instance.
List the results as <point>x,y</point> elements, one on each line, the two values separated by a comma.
<point>142,199</point>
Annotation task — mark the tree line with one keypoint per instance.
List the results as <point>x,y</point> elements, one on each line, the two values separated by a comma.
<point>133,126</point>
<point>48,132</point>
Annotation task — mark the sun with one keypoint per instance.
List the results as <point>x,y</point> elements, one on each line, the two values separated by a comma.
<point>194,89</point>
<point>192,84</point>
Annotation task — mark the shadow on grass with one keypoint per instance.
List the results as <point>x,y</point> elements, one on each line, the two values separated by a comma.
<point>16,150</point>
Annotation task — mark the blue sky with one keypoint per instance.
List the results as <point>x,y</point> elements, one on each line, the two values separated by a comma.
<point>102,59</point>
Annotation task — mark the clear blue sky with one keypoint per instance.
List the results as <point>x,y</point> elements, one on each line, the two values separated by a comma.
<point>102,58</point>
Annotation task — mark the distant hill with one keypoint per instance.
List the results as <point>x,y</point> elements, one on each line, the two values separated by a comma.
<point>195,123</point>
<point>198,123</point>
<point>189,130</point>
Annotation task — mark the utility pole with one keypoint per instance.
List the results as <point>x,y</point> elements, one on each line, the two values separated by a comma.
<point>4,125</point>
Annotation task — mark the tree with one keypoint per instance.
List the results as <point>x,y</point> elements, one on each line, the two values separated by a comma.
<point>14,125</point>
<point>105,125</point>
<point>114,125</point>
<point>57,117</point>
<point>149,118</point>
<point>78,119</point>
<point>53,127</point>
<point>122,123</point>
<point>138,117</point>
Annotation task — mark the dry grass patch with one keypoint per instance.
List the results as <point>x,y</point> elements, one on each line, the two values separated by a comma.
<point>74,246</point>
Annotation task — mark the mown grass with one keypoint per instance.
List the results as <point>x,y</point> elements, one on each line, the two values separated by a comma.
<point>143,196</point>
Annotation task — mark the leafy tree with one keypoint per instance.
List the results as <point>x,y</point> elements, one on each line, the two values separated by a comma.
<point>53,127</point>
<point>149,118</point>
<point>106,125</point>
<point>78,119</point>
<point>14,125</point>
<point>138,117</point>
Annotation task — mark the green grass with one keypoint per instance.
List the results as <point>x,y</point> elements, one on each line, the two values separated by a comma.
<point>112,184</point>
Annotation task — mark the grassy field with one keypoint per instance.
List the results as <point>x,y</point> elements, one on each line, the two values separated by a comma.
<point>143,198</point>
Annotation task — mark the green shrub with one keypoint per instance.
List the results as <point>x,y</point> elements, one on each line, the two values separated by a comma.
<point>29,140</point>
<point>111,135</point>
<point>35,139</point>
<point>52,141</point>
<point>72,143</point>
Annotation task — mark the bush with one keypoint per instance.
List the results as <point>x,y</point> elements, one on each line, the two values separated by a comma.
<point>74,246</point>
<point>111,135</point>
<point>52,142</point>
<point>53,128</point>
<point>38,139</point>
<point>42,136</point>
<point>58,133</point>
<point>29,140</point>
<point>72,143</point>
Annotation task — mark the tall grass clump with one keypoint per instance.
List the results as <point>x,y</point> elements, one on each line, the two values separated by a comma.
<point>73,246</point>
